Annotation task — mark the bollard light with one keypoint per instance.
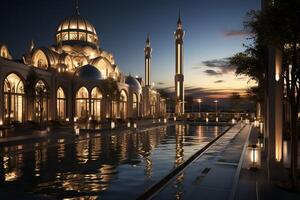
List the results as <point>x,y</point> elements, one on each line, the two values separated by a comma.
<point>67,119</point>
<point>165,120</point>
<point>112,125</point>
<point>254,157</point>
<point>217,119</point>
<point>134,125</point>
<point>206,119</point>
<point>174,118</point>
<point>159,120</point>
<point>48,129</point>
<point>77,130</point>
<point>1,122</point>
<point>128,124</point>
<point>233,121</point>
<point>90,118</point>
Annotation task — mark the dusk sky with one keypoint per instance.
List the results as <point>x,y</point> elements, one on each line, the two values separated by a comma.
<point>213,32</point>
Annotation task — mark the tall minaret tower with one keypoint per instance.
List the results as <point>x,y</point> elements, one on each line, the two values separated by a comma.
<point>148,51</point>
<point>179,78</point>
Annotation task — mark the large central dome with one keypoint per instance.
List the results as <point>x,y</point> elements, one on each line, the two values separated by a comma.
<point>76,30</point>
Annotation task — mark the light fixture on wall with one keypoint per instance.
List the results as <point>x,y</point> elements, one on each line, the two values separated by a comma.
<point>277,77</point>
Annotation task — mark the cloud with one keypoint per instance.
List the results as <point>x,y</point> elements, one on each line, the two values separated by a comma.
<point>236,33</point>
<point>211,72</point>
<point>221,64</point>
<point>219,81</point>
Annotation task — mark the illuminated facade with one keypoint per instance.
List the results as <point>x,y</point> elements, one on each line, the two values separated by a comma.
<point>74,76</point>
<point>179,77</point>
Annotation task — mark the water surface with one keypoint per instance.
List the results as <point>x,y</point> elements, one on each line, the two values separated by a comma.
<point>100,165</point>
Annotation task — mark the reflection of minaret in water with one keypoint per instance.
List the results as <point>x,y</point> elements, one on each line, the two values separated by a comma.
<point>179,144</point>
<point>179,77</point>
<point>148,51</point>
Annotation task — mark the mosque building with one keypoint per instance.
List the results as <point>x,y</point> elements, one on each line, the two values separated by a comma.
<point>75,80</point>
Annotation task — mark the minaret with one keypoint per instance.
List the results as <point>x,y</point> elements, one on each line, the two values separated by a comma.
<point>148,51</point>
<point>179,78</point>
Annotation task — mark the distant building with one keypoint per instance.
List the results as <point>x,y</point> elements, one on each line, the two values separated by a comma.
<point>70,80</point>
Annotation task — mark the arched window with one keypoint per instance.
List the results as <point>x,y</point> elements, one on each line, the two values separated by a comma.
<point>123,104</point>
<point>153,105</point>
<point>96,97</point>
<point>135,105</point>
<point>40,59</point>
<point>61,103</point>
<point>41,101</point>
<point>141,106</point>
<point>82,103</point>
<point>13,98</point>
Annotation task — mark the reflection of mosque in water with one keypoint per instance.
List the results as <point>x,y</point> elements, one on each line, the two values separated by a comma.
<point>86,166</point>
<point>94,163</point>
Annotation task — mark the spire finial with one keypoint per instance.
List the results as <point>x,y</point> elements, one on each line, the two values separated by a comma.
<point>32,45</point>
<point>148,40</point>
<point>179,23</point>
<point>77,7</point>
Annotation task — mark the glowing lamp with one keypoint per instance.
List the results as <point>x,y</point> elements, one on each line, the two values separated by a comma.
<point>254,157</point>
<point>159,120</point>
<point>206,119</point>
<point>217,119</point>
<point>75,119</point>
<point>128,124</point>
<point>77,130</point>
<point>134,125</point>
<point>112,125</point>
<point>277,77</point>
<point>48,129</point>
<point>1,122</point>
<point>165,120</point>
<point>233,121</point>
<point>174,118</point>
<point>90,118</point>
<point>67,119</point>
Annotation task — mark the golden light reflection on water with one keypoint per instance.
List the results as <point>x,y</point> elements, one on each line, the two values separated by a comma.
<point>95,164</point>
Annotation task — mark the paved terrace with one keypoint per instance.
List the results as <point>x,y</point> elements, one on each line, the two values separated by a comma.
<point>214,174</point>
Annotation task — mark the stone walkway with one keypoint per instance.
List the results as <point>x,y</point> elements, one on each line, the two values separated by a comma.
<point>254,185</point>
<point>213,174</point>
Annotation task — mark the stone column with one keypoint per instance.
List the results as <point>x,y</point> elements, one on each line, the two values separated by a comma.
<point>1,99</point>
<point>274,123</point>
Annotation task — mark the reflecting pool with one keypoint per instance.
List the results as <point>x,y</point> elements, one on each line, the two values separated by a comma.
<point>99,165</point>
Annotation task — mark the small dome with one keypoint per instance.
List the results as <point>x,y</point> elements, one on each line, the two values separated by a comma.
<point>76,30</point>
<point>132,82</point>
<point>88,72</point>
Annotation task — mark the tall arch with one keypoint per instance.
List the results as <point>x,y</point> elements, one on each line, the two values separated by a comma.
<point>96,98</point>
<point>14,101</point>
<point>41,101</point>
<point>123,104</point>
<point>61,103</point>
<point>135,105</point>
<point>153,105</point>
<point>82,107</point>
